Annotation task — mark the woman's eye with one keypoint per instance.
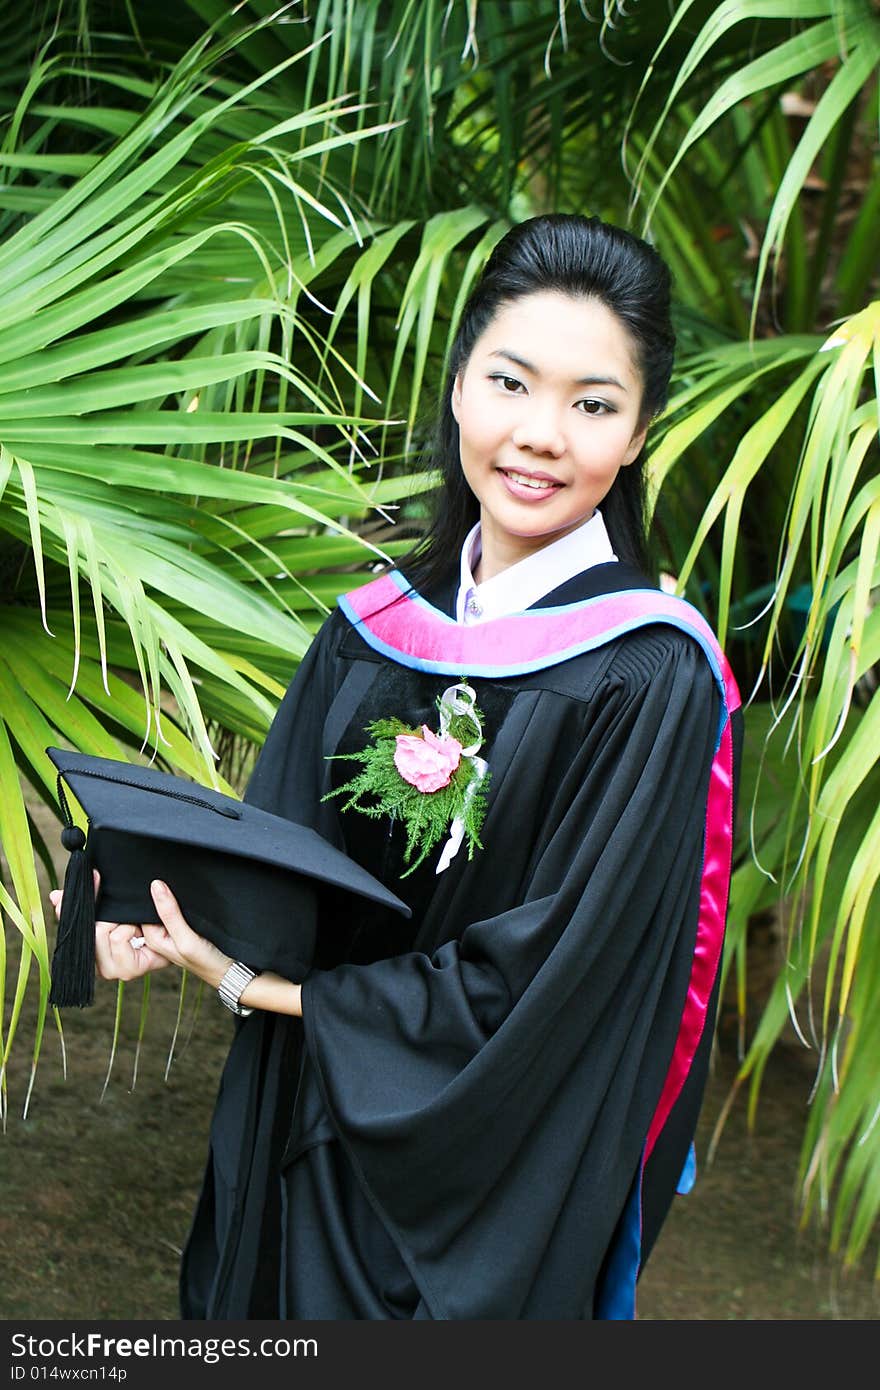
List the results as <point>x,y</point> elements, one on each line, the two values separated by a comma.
<point>509,383</point>
<point>591,407</point>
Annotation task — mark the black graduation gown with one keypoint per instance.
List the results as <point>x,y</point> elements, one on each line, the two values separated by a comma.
<point>457,1127</point>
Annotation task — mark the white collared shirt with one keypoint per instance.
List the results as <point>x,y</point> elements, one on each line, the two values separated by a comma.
<point>522,584</point>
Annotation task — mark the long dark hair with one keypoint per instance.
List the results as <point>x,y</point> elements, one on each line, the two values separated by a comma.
<point>586,258</point>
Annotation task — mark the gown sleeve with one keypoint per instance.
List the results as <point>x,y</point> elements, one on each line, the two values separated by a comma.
<point>493,1095</point>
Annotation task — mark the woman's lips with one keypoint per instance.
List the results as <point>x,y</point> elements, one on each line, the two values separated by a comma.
<point>529,487</point>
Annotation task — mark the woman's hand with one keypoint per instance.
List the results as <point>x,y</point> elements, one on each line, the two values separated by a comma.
<point>124,951</point>
<point>127,951</point>
<point>120,950</point>
<point>173,940</point>
<point>177,942</point>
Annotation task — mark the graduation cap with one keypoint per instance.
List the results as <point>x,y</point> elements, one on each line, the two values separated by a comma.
<point>244,878</point>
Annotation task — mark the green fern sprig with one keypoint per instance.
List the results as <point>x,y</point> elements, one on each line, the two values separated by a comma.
<point>379,790</point>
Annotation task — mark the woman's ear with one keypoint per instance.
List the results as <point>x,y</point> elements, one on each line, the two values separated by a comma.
<point>634,448</point>
<point>455,398</point>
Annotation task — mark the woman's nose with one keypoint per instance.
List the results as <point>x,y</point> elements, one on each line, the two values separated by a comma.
<point>540,430</point>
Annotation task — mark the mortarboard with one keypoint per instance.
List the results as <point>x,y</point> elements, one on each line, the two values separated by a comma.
<point>244,878</point>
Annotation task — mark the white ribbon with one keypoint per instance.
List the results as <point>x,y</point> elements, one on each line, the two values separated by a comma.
<point>458,700</point>
<point>456,830</point>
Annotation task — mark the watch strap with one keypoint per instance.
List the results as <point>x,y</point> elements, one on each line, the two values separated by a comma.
<point>233,985</point>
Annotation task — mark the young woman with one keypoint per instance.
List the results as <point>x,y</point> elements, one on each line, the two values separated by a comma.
<point>484,1111</point>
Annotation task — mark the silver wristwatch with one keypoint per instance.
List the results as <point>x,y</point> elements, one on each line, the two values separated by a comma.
<point>232,986</point>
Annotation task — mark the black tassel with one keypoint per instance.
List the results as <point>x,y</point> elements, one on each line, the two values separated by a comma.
<point>73,964</point>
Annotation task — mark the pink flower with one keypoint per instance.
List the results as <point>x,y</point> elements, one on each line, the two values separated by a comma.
<point>427,763</point>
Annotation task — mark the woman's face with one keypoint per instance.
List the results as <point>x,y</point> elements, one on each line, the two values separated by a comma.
<point>548,412</point>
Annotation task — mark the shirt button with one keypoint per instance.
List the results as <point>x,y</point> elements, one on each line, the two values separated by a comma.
<point>474,608</point>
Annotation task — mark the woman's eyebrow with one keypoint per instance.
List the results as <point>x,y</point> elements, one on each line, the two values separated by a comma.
<point>578,381</point>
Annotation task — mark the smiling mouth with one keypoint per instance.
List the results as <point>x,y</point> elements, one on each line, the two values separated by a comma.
<point>526,480</point>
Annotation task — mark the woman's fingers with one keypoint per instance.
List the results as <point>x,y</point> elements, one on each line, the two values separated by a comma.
<point>124,951</point>
<point>175,938</point>
<point>160,940</point>
<point>121,952</point>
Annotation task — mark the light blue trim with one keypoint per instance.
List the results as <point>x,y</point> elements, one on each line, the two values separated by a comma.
<point>616,1296</point>
<point>414,596</point>
<point>615,1299</point>
<point>688,1173</point>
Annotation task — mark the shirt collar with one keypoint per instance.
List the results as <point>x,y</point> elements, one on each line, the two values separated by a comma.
<point>519,586</point>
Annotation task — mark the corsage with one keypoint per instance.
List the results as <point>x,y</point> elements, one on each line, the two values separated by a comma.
<point>433,782</point>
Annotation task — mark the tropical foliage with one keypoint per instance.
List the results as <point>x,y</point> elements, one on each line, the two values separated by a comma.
<point>796,511</point>
<point>175,433</point>
<point>234,244</point>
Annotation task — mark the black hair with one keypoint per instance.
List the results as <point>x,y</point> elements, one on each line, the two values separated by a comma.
<point>583,257</point>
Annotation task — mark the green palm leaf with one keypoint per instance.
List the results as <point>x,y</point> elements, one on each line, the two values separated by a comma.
<point>124,381</point>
